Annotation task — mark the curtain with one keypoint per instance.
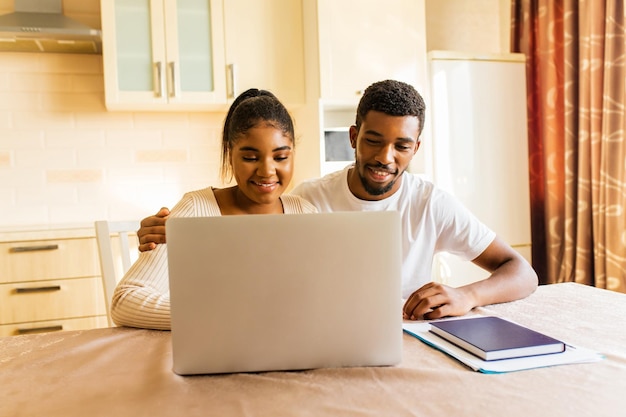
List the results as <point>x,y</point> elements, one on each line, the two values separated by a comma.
<point>576,68</point>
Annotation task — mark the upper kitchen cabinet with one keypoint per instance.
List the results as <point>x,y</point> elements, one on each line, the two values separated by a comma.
<point>348,46</point>
<point>264,47</point>
<point>368,41</point>
<point>163,54</point>
<point>197,55</point>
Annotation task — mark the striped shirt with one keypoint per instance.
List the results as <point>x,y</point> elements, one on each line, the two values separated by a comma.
<point>142,299</point>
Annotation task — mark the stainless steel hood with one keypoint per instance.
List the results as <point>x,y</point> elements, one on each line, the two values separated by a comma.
<point>40,26</point>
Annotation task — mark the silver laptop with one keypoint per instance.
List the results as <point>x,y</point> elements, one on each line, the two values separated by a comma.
<point>285,292</point>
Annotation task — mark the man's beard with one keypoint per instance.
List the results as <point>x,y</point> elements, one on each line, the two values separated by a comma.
<point>376,190</point>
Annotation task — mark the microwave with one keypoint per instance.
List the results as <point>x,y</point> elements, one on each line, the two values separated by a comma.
<point>336,150</point>
<point>337,145</point>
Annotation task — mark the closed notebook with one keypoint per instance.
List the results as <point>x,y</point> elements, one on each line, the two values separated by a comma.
<point>493,338</point>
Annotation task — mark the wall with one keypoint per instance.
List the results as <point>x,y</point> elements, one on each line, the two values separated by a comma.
<point>469,26</point>
<point>65,159</point>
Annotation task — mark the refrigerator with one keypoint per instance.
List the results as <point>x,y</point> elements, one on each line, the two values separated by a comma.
<point>480,147</point>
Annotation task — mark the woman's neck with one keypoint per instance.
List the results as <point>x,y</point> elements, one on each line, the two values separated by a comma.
<point>232,201</point>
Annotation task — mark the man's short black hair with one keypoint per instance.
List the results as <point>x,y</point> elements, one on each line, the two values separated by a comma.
<point>395,98</point>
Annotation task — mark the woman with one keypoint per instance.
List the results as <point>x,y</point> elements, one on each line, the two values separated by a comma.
<point>258,151</point>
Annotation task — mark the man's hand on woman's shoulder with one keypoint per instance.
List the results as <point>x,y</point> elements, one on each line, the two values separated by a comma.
<point>152,230</point>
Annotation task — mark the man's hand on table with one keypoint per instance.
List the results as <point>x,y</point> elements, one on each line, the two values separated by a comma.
<point>434,301</point>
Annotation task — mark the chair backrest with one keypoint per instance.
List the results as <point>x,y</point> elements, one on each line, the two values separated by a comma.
<point>116,257</point>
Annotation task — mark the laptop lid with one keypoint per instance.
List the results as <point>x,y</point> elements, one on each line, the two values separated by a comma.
<point>285,292</point>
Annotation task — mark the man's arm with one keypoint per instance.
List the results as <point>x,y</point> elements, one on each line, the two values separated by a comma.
<point>511,278</point>
<point>152,230</point>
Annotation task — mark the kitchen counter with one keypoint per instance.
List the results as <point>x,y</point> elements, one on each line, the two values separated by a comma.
<point>42,232</point>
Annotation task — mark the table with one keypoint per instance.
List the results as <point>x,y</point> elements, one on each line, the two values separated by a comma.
<point>127,372</point>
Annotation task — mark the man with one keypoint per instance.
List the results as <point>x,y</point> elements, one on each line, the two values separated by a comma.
<point>389,121</point>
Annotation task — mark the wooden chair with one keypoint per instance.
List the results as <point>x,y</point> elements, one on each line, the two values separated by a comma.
<point>116,255</point>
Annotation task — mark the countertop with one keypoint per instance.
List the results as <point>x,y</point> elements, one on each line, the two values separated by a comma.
<point>46,231</point>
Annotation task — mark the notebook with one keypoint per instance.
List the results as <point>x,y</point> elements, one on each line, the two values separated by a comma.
<point>493,338</point>
<point>285,292</point>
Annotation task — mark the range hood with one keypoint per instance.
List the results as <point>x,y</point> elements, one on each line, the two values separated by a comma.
<point>40,26</point>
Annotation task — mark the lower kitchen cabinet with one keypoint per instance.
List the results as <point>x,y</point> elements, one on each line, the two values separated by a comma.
<point>50,281</point>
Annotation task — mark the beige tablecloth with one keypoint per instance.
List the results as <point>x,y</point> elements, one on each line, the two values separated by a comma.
<point>127,372</point>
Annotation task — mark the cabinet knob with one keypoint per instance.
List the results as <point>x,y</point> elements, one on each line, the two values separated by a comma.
<point>30,290</point>
<point>40,329</point>
<point>232,80</point>
<point>158,80</point>
<point>34,248</point>
<point>171,80</point>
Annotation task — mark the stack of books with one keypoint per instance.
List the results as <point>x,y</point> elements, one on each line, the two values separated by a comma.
<point>493,338</point>
<point>492,344</point>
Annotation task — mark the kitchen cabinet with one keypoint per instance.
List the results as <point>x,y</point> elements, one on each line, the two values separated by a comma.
<point>348,46</point>
<point>368,41</point>
<point>264,47</point>
<point>195,55</point>
<point>50,283</point>
<point>161,54</point>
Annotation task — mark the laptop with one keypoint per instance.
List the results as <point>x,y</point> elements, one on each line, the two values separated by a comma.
<point>285,292</point>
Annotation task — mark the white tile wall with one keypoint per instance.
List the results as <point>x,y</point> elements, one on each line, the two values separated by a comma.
<point>65,159</point>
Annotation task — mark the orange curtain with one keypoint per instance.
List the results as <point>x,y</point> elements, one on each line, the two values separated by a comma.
<point>576,71</point>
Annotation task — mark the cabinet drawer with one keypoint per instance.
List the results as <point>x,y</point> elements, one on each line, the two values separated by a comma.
<point>51,300</point>
<point>48,259</point>
<point>82,323</point>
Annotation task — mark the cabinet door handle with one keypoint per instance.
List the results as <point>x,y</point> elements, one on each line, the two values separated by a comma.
<point>40,329</point>
<point>33,248</point>
<point>158,79</point>
<point>171,86</point>
<point>232,80</point>
<point>30,290</point>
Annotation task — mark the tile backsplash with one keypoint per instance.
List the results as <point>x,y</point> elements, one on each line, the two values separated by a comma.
<point>64,159</point>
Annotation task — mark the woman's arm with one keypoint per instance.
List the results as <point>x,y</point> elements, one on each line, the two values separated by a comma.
<point>142,299</point>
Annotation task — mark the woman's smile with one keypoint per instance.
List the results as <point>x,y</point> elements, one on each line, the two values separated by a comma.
<point>265,186</point>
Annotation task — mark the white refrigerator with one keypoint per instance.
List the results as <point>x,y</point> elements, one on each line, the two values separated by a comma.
<point>480,147</point>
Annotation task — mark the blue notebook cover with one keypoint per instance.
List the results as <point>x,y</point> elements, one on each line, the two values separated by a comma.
<point>493,338</point>
<point>572,354</point>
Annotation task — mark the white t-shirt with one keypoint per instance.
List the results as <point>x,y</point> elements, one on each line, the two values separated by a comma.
<point>433,221</point>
